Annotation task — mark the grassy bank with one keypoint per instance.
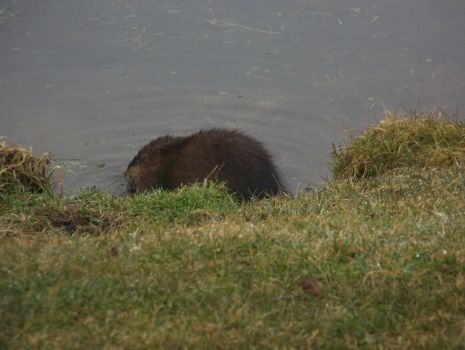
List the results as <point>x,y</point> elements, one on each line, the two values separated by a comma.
<point>366,262</point>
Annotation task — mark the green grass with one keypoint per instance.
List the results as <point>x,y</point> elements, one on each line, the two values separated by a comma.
<point>384,256</point>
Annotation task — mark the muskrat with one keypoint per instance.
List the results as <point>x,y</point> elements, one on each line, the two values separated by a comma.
<point>228,156</point>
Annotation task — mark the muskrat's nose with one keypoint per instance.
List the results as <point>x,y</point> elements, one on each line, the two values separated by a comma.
<point>130,189</point>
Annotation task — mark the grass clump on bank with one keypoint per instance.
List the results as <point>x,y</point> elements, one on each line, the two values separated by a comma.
<point>418,140</point>
<point>375,262</point>
<point>21,169</point>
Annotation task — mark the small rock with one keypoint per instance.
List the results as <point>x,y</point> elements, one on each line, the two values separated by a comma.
<point>309,286</point>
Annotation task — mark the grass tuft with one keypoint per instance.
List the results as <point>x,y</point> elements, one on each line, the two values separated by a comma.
<point>21,169</point>
<point>96,213</point>
<point>418,140</point>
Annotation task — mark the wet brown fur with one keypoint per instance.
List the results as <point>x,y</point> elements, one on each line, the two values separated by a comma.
<point>229,156</point>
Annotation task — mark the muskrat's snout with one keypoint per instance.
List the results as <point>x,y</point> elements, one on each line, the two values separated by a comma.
<point>130,187</point>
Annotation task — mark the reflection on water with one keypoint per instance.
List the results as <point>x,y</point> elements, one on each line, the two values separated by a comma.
<point>93,80</point>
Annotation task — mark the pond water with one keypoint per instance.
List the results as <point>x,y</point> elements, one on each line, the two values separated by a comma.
<point>93,80</point>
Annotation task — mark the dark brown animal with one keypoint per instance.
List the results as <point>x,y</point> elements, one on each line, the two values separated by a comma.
<point>229,156</point>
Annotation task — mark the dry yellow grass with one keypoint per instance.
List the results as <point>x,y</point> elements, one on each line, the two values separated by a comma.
<point>21,169</point>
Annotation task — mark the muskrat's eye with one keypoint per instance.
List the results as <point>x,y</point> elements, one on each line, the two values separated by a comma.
<point>135,161</point>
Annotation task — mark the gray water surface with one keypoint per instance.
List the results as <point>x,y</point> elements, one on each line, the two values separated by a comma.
<point>93,80</point>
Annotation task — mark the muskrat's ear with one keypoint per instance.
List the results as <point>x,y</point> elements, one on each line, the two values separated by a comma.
<point>174,146</point>
<point>163,151</point>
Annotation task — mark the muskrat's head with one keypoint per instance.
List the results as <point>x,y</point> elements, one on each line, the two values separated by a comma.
<point>143,173</point>
<point>149,167</point>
